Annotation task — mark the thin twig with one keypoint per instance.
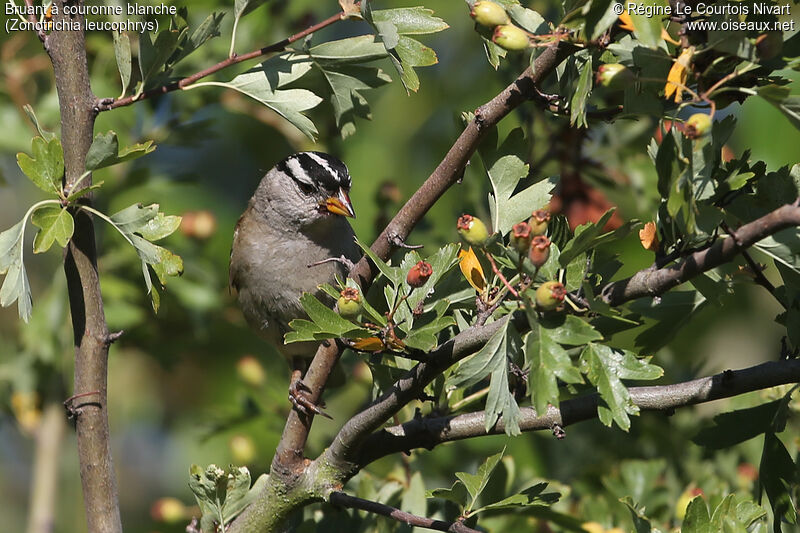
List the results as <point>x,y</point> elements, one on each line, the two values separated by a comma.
<point>500,275</point>
<point>110,103</point>
<point>345,500</point>
<point>758,274</point>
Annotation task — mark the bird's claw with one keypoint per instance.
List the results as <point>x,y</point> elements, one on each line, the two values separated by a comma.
<point>298,395</point>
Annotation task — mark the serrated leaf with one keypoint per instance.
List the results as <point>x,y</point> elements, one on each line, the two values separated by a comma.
<point>590,235</point>
<point>605,367</point>
<point>208,29</point>
<point>696,519</point>
<point>55,225</point>
<point>15,285</point>
<point>262,84</point>
<point>10,245</point>
<point>153,56</point>
<point>648,30</point>
<point>134,217</point>
<point>547,360</point>
<point>346,82</point>
<point>531,496</point>
<point>324,323</point>
<point>243,7</point>
<point>475,483</point>
<point>105,151</point>
<point>457,494</point>
<point>528,19</point>
<point>46,167</point>
<point>159,226</point>
<point>583,87</point>
<point>393,274</point>
<point>122,52</point>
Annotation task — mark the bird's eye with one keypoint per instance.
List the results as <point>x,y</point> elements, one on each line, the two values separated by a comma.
<point>305,187</point>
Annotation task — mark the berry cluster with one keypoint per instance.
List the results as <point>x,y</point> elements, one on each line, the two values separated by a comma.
<point>505,34</point>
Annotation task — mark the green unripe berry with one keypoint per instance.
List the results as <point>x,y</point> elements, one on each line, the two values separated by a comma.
<point>520,237</point>
<point>510,37</point>
<point>349,302</point>
<point>538,221</point>
<point>615,76</point>
<point>698,125</point>
<point>489,14</point>
<point>549,295</point>
<point>472,230</point>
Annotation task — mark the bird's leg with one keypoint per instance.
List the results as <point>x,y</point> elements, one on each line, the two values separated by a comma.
<point>298,391</point>
<point>341,259</point>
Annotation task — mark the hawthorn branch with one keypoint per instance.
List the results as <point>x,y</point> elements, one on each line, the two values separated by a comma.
<point>656,282</point>
<point>107,104</point>
<point>67,51</point>
<point>430,432</point>
<point>289,455</point>
<point>345,500</point>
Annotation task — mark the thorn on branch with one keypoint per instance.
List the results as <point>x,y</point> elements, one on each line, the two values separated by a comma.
<point>341,260</point>
<point>398,242</point>
<point>73,411</point>
<point>558,431</point>
<point>111,338</point>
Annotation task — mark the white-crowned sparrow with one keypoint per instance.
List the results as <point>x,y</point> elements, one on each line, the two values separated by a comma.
<point>295,219</point>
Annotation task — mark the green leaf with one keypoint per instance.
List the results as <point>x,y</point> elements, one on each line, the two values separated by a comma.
<point>153,56</point>
<point>134,217</point>
<point>589,235</point>
<point>393,274</point>
<point>475,483</point>
<point>531,496</point>
<point>457,494</point>
<point>46,168</point>
<point>738,426</point>
<point>641,524</point>
<point>56,225</point>
<point>778,475</point>
<point>605,367</point>
<point>15,285</point>
<point>105,152</point>
<point>122,51</point>
<point>569,329</point>
<point>411,20</point>
<point>528,19</point>
<point>583,87</point>
<point>208,29</point>
<point>360,49</point>
<point>346,82</point>
<point>324,323</point>
<point>413,500</point>
<point>648,29</point>
<point>505,173</point>
<point>393,26</point>
<point>159,226</point>
<point>444,260</point>
<point>262,83</point>
<point>697,519</point>
<point>787,104</point>
<point>43,133</point>
<point>547,361</point>
<point>243,7</point>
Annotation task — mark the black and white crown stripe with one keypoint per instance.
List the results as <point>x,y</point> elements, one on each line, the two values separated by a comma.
<point>317,169</point>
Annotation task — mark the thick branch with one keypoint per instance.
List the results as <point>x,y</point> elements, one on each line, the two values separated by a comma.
<point>449,171</point>
<point>655,282</point>
<point>235,59</point>
<point>345,500</point>
<point>430,432</point>
<point>67,50</point>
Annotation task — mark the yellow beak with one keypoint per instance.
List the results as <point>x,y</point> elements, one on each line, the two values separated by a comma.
<point>340,204</point>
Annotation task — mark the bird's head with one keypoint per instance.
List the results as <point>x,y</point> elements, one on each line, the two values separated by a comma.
<point>307,187</point>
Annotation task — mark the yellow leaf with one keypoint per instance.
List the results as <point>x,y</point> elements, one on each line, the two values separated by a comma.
<point>649,237</point>
<point>370,344</point>
<point>472,269</point>
<point>678,74</point>
<point>667,37</point>
<point>626,22</point>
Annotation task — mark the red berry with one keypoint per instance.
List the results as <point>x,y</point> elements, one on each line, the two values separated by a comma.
<point>419,274</point>
<point>539,251</point>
